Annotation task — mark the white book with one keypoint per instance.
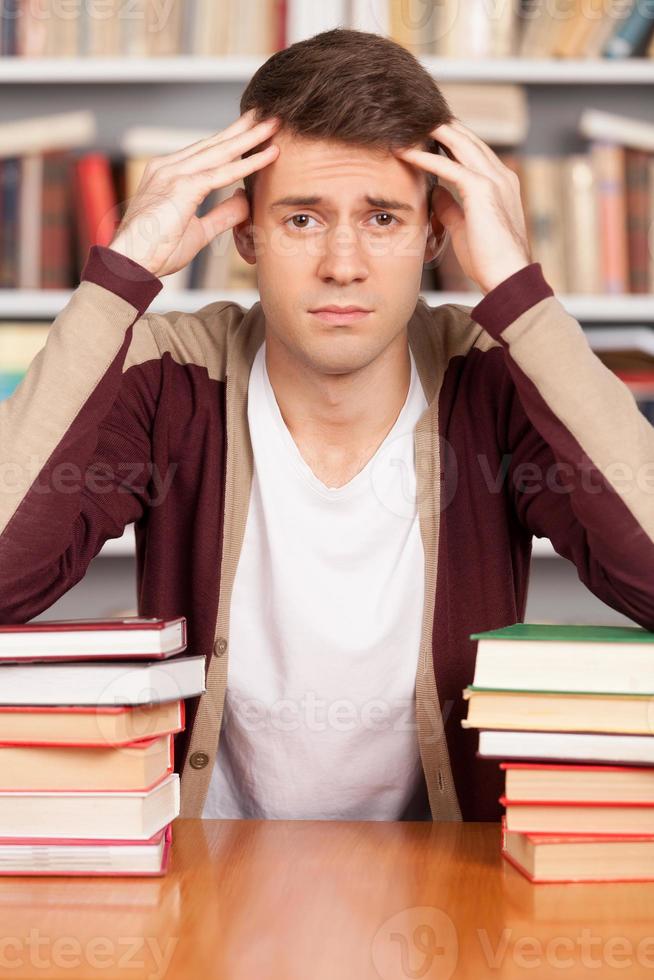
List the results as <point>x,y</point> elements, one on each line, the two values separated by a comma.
<point>594,667</point>
<point>84,639</point>
<point>304,18</point>
<point>102,682</point>
<point>638,134</point>
<point>151,141</point>
<point>639,338</point>
<point>567,747</point>
<point>371,15</point>
<point>131,815</point>
<point>86,857</point>
<point>56,131</point>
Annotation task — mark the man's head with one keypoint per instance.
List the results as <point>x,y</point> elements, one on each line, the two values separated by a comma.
<point>362,227</point>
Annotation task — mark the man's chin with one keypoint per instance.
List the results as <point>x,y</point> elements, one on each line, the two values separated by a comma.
<point>340,358</point>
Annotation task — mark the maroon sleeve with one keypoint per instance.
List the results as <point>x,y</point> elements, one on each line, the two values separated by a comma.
<point>75,437</point>
<point>581,452</point>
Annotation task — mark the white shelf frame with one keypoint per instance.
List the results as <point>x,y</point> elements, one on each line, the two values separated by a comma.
<point>125,546</point>
<point>40,304</point>
<point>240,68</point>
<point>46,303</point>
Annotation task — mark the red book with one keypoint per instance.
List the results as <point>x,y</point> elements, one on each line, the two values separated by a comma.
<point>548,858</point>
<point>74,856</point>
<point>139,766</point>
<point>88,725</point>
<point>615,817</point>
<point>96,201</point>
<point>532,782</point>
<point>131,637</point>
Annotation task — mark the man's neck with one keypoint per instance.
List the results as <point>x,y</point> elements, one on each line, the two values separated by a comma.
<point>339,421</point>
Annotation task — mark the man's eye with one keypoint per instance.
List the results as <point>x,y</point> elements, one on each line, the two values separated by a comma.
<point>377,215</point>
<point>293,216</point>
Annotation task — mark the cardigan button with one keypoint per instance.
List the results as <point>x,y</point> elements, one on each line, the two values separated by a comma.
<point>220,646</point>
<point>199,760</point>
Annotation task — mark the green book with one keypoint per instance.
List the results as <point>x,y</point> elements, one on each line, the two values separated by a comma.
<point>570,632</point>
<point>566,658</point>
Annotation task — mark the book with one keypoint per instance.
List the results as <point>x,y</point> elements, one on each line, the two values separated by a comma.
<point>632,35</point>
<point>560,711</point>
<point>77,639</point>
<point>40,856</point>
<point>102,682</point>
<point>115,814</point>
<point>554,816</point>
<point>632,340</point>
<point>615,128</point>
<point>577,783</point>
<point>102,725</point>
<point>574,747</point>
<point>138,766</point>
<point>565,657</point>
<point>579,857</point>
<point>54,131</point>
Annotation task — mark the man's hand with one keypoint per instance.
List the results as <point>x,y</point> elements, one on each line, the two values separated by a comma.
<point>489,233</point>
<point>160,229</point>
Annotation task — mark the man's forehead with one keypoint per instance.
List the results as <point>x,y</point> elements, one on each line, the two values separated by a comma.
<point>377,177</point>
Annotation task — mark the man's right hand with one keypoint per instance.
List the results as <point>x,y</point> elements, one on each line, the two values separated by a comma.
<point>160,229</point>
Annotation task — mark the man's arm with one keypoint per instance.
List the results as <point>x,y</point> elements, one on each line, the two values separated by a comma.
<point>578,442</point>
<point>74,438</point>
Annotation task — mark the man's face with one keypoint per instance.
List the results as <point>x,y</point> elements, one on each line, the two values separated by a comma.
<point>342,250</point>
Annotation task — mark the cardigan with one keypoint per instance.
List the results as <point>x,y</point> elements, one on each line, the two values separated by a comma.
<point>129,416</point>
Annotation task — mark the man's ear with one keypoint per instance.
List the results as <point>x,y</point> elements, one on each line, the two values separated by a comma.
<point>435,238</point>
<point>244,240</point>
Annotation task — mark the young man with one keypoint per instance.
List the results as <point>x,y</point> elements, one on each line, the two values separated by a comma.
<point>334,500</point>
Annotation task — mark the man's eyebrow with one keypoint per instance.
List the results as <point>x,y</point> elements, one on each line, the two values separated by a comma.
<point>300,201</point>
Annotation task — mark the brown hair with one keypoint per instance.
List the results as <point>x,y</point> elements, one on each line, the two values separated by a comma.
<point>349,85</point>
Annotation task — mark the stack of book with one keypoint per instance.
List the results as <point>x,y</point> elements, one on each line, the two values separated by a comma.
<point>570,711</point>
<point>89,709</point>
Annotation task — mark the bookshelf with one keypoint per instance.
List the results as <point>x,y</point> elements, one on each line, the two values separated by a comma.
<point>238,69</point>
<point>27,304</point>
<point>124,546</point>
<point>201,91</point>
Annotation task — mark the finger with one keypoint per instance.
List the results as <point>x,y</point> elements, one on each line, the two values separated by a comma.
<point>226,174</point>
<point>471,152</point>
<point>456,126</point>
<point>226,150</point>
<point>225,215</point>
<point>436,164</point>
<point>488,150</point>
<point>242,125</point>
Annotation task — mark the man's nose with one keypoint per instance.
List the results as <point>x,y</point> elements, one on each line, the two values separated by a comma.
<point>345,255</point>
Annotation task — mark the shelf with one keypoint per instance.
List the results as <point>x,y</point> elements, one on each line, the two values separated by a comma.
<point>119,547</point>
<point>125,546</point>
<point>240,68</point>
<point>542,548</point>
<point>46,303</point>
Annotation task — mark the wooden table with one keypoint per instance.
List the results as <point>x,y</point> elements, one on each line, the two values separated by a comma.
<point>326,900</point>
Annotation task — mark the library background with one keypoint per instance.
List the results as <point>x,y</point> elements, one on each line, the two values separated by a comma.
<point>561,89</point>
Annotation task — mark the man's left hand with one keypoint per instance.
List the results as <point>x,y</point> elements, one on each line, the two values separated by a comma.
<point>489,232</point>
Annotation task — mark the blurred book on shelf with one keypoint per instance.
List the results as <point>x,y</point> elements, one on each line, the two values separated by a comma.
<point>589,214</point>
<point>147,28</point>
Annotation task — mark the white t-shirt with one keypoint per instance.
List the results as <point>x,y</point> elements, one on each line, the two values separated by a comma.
<point>325,617</point>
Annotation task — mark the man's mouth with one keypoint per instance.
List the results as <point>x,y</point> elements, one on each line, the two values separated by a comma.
<point>340,314</point>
